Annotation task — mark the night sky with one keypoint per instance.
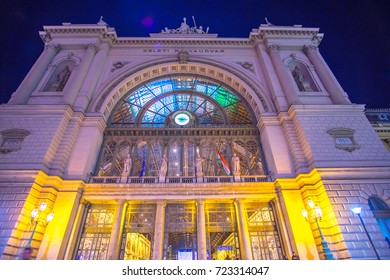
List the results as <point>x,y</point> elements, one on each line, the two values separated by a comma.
<point>356,44</point>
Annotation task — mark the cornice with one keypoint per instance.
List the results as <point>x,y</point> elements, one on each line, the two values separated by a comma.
<point>182,41</point>
<point>101,31</point>
<point>266,32</point>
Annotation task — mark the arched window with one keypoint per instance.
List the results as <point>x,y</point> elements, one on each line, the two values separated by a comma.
<point>382,214</point>
<point>184,117</point>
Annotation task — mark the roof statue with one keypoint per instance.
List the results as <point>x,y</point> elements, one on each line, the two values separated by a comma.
<point>102,22</point>
<point>184,28</point>
<point>266,20</point>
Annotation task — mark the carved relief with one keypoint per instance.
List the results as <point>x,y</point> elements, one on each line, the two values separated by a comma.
<point>272,48</point>
<point>247,66</point>
<point>118,64</point>
<point>53,47</point>
<point>183,57</point>
<point>12,140</point>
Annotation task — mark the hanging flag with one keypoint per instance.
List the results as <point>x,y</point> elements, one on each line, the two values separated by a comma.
<point>225,165</point>
<point>142,168</point>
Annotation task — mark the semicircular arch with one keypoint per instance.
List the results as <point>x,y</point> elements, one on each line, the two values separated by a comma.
<point>109,95</point>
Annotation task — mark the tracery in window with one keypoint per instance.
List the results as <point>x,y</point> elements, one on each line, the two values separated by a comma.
<point>95,238</point>
<point>187,119</point>
<point>208,101</point>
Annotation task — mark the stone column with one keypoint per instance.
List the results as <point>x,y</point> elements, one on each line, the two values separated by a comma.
<point>73,91</point>
<point>92,77</point>
<point>116,229</point>
<point>158,244</point>
<point>291,95</point>
<point>201,231</point>
<point>333,88</point>
<point>78,223</point>
<point>243,233</point>
<point>35,75</point>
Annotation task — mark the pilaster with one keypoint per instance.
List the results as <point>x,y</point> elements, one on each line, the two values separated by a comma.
<point>158,245</point>
<point>201,231</point>
<point>73,91</point>
<point>245,245</point>
<point>35,75</point>
<point>334,89</point>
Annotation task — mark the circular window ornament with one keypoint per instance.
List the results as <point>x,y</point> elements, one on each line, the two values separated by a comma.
<point>182,119</point>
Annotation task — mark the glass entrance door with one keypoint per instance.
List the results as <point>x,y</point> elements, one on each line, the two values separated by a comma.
<point>221,227</point>
<point>180,234</point>
<point>137,237</point>
<point>263,231</point>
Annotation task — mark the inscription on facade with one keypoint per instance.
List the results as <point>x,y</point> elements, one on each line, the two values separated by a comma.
<point>181,50</point>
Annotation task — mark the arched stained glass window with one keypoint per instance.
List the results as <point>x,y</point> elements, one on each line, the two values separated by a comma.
<point>207,101</point>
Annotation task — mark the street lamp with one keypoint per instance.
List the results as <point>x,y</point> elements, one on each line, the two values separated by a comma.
<point>317,216</point>
<point>357,211</point>
<point>37,217</point>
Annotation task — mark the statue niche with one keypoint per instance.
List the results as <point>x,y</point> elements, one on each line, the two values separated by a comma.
<point>60,76</point>
<point>302,77</point>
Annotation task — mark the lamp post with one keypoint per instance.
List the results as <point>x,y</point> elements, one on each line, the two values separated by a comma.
<point>357,211</point>
<point>317,216</point>
<point>37,217</point>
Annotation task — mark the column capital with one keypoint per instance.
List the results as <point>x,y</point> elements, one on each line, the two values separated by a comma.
<point>121,202</point>
<point>200,201</point>
<point>92,47</point>
<point>54,47</point>
<point>239,200</point>
<point>272,48</point>
<point>310,49</point>
<point>161,202</point>
<point>85,202</point>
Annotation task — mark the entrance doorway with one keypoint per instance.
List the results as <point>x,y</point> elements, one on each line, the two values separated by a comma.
<point>221,227</point>
<point>138,231</point>
<point>180,232</point>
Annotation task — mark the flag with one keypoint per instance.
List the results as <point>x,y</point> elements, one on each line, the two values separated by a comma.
<point>225,165</point>
<point>142,168</point>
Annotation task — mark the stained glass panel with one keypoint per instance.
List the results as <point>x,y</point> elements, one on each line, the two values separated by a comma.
<point>212,91</point>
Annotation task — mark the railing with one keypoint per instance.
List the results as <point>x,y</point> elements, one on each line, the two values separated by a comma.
<point>260,178</point>
<point>178,179</point>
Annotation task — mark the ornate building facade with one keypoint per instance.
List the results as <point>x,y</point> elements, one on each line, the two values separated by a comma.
<point>184,145</point>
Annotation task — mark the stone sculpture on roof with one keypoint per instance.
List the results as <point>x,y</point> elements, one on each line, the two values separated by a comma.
<point>184,28</point>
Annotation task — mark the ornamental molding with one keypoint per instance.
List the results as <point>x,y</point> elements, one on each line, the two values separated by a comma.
<point>98,30</point>
<point>287,32</point>
<point>344,138</point>
<point>181,42</point>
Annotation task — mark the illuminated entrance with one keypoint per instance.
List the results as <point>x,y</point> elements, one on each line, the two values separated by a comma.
<point>180,232</point>
<point>264,236</point>
<point>222,236</point>
<point>138,232</point>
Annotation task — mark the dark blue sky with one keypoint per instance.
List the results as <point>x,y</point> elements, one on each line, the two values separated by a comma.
<point>356,45</point>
